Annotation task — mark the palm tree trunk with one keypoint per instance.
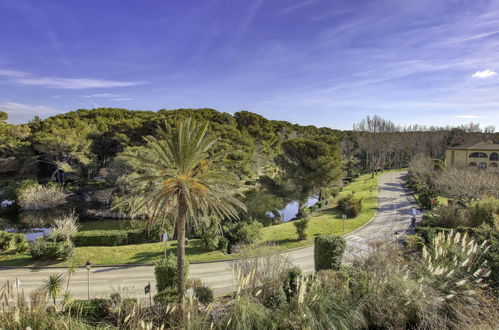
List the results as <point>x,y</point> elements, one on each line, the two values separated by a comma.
<point>182,214</point>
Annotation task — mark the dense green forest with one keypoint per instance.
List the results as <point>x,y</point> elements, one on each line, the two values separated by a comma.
<point>80,145</point>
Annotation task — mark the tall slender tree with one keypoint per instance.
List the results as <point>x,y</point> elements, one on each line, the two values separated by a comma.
<point>179,182</point>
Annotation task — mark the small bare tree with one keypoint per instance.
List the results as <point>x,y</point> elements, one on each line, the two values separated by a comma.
<point>467,185</point>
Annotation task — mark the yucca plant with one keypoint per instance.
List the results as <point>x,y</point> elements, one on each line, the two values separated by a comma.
<point>53,286</point>
<point>178,181</point>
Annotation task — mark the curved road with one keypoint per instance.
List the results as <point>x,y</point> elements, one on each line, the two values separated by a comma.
<point>394,214</point>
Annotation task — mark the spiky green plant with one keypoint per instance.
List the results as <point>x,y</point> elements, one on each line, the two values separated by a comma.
<point>178,181</point>
<point>53,286</point>
<point>454,264</point>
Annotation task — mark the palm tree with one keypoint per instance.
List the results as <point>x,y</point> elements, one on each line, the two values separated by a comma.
<point>53,286</point>
<point>177,181</point>
<point>71,270</point>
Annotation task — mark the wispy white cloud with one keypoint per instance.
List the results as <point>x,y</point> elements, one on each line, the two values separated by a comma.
<point>484,74</point>
<point>122,99</point>
<point>13,73</point>
<point>25,78</point>
<point>99,95</point>
<point>19,112</point>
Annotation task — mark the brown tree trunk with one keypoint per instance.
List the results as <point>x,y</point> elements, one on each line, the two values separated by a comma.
<point>182,215</point>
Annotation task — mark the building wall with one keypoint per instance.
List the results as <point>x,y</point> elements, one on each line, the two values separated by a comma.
<point>460,158</point>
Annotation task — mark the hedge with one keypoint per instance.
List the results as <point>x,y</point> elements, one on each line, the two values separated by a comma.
<point>328,251</point>
<point>110,237</point>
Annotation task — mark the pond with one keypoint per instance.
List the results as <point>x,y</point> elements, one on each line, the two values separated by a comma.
<point>262,205</point>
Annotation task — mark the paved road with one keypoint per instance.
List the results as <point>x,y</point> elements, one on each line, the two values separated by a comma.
<point>394,214</point>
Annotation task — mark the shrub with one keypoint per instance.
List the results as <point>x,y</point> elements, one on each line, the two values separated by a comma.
<point>483,211</point>
<point>428,199</point>
<point>20,243</point>
<point>5,240</point>
<point>204,294</point>
<point>90,309</point>
<point>301,226</point>
<point>244,232</point>
<point>44,248</point>
<point>450,216</point>
<point>290,285</point>
<point>66,226</point>
<point>350,205</point>
<point>37,197</point>
<point>273,296</point>
<point>209,232</point>
<point>223,244</point>
<point>166,296</point>
<point>166,272</point>
<point>109,237</point>
<point>328,251</point>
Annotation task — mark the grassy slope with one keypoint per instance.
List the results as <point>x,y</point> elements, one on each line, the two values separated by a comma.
<point>326,221</point>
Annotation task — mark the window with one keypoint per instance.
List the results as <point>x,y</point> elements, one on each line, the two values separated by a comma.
<point>482,166</point>
<point>494,165</point>
<point>478,155</point>
<point>472,164</point>
<point>494,156</point>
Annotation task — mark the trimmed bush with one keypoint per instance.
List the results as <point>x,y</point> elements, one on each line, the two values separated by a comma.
<point>328,251</point>
<point>166,296</point>
<point>166,272</point>
<point>301,227</point>
<point>204,294</point>
<point>43,248</point>
<point>110,237</point>
<point>350,205</point>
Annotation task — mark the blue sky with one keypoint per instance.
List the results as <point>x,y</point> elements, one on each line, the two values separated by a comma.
<point>320,62</point>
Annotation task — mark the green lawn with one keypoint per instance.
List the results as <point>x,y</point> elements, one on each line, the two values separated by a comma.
<point>326,221</point>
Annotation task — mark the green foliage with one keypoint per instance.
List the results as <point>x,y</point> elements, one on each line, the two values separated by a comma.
<point>350,205</point>
<point>109,237</point>
<point>449,216</point>
<point>19,242</point>
<point>311,164</point>
<point>247,313</point>
<point>291,280</point>
<point>166,272</point>
<point>5,240</point>
<point>484,211</point>
<point>223,244</point>
<point>91,309</point>
<point>241,233</point>
<point>328,251</point>
<point>46,248</point>
<point>273,296</point>
<point>204,294</point>
<point>301,226</point>
<point>209,232</point>
<point>166,296</point>
<point>428,199</point>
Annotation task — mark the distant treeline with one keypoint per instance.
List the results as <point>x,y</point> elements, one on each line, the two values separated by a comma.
<point>81,144</point>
